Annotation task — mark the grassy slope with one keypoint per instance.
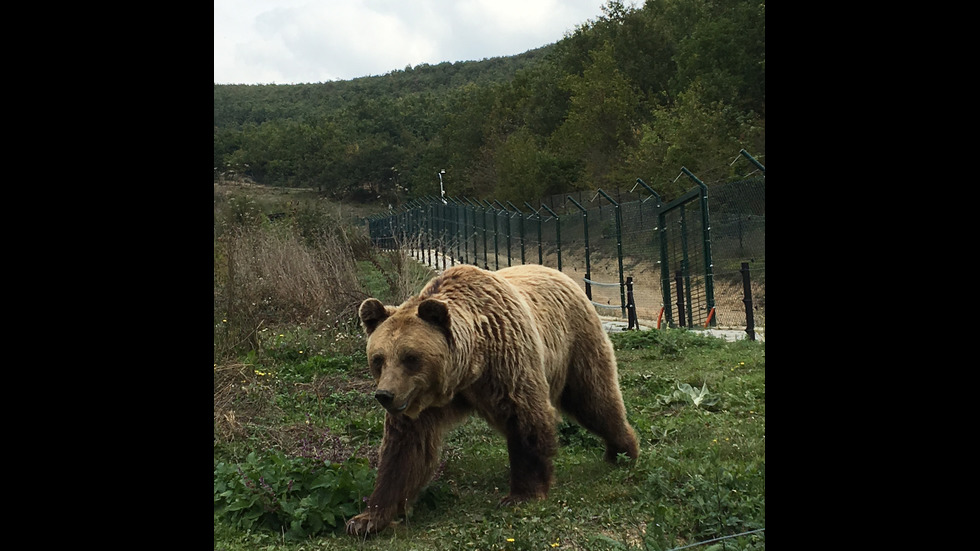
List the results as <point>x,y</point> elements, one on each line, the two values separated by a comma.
<point>701,473</point>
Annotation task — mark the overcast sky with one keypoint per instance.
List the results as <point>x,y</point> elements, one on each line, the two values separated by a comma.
<point>305,41</point>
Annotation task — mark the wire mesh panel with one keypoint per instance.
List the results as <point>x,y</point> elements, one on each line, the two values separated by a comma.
<point>515,229</point>
<point>576,260</point>
<point>532,239</point>
<point>641,256</point>
<point>551,245</point>
<point>606,281</point>
<point>738,234</point>
<point>481,237</point>
<point>470,241</point>
<point>498,227</point>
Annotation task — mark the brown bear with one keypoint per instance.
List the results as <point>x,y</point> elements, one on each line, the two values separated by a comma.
<point>514,346</point>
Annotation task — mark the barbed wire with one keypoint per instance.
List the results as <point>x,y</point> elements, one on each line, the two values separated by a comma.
<point>717,539</point>
<point>600,284</point>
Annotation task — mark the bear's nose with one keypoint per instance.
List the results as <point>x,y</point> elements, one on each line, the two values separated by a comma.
<point>385,397</point>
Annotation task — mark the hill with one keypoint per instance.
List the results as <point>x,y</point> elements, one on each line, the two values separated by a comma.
<point>638,92</point>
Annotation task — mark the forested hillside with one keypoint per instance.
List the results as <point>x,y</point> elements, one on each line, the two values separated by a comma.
<point>637,92</point>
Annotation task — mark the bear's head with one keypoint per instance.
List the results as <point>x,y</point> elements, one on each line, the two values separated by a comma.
<point>408,352</point>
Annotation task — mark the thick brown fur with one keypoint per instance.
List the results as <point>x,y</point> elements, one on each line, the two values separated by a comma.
<point>516,346</point>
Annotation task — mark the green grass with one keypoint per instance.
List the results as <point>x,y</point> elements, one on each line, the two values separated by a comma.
<point>700,475</point>
<point>296,431</point>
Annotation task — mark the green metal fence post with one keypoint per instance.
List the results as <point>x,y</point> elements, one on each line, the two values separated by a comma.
<point>416,229</point>
<point>557,232</point>
<point>537,212</point>
<point>496,255</point>
<point>470,201</point>
<point>685,272</point>
<point>431,233</point>
<point>588,261</point>
<point>456,230</point>
<point>664,266</point>
<point>504,209</point>
<point>521,228</point>
<point>654,194</point>
<point>753,161</point>
<point>465,236</point>
<point>443,218</point>
<point>486,251</point>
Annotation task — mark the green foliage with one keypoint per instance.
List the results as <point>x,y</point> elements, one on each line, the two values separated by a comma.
<point>241,212</point>
<point>636,92</point>
<point>296,496</point>
<point>669,343</point>
<point>599,126</point>
<point>685,393</point>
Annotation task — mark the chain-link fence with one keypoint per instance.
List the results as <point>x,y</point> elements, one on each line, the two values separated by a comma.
<point>688,262</point>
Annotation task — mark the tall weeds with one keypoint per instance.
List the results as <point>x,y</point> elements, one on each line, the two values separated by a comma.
<point>300,270</point>
<point>308,267</point>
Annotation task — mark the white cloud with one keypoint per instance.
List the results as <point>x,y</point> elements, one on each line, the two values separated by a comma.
<point>293,41</point>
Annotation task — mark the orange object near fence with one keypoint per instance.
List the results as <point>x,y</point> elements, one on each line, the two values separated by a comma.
<point>710,315</point>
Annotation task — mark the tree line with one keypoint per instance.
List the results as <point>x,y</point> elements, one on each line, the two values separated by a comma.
<point>635,92</point>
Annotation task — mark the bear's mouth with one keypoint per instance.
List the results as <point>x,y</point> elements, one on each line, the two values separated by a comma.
<point>402,408</point>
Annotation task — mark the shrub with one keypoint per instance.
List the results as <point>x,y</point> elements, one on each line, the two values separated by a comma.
<point>296,496</point>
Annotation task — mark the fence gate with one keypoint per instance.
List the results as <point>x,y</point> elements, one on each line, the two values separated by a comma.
<point>685,258</point>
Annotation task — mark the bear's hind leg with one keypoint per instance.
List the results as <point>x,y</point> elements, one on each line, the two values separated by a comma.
<point>592,397</point>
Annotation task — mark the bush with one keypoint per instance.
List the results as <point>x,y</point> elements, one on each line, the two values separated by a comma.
<point>296,496</point>
<point>671,343</point>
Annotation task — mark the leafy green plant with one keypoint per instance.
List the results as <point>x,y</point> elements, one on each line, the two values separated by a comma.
<point>693,395</point>
<point>296,496</point>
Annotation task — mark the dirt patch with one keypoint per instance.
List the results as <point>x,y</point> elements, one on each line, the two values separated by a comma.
<point>245,409</point>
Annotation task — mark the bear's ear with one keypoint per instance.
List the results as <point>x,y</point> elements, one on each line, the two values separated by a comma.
<point>435,312</point>
<point>372,313</point>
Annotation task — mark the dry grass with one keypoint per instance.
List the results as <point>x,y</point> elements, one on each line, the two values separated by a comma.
<point>300,270</point>
<point>237,400</point>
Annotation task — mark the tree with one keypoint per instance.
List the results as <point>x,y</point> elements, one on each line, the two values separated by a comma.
<point>601,119</point>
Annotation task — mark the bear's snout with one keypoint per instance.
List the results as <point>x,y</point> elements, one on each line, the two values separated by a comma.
<point>385,397</point>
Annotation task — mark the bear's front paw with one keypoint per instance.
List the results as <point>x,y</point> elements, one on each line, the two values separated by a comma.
<point>517,499</point>
<point>362,524</point>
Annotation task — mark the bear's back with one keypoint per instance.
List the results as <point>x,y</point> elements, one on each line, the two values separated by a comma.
<point>520,306</point>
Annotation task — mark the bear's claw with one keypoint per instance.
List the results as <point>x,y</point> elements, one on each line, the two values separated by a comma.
<point>360,524</point>
<point>517,499</point>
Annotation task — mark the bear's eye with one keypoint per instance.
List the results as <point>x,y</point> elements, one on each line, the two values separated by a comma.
<point>377,362</point>
<point>412,362</point>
